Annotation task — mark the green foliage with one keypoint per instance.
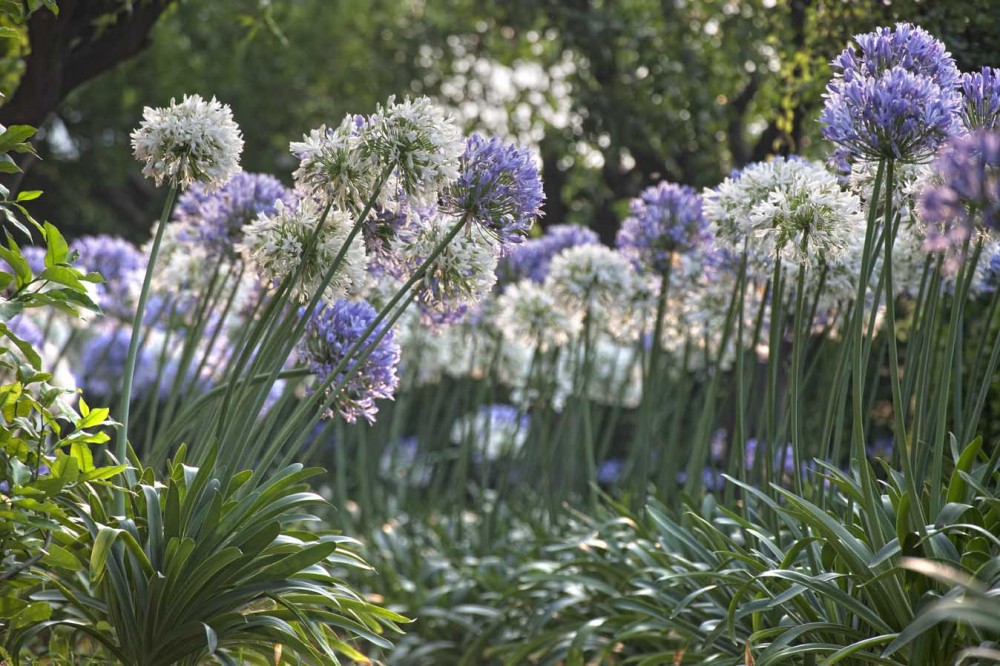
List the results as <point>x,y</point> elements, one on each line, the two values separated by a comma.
<point>45,441</point>
<point>198,568</point>
<point>776,581</point>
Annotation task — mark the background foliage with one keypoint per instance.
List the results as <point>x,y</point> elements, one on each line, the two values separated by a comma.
<point>685,91</point>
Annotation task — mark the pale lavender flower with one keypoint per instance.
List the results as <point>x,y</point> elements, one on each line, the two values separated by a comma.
<point>120,263</point>
<point>217,218</point>
<point>379,231</point>
<point>784,461</point>
<point>26,329</point>
<point>711,479</point>
<point>981,92</point>
<point>666,220</point>
<point>194,141</point>
<point>331,332</point>
<point>498,187</point>
<point>531,259</point>
<point>495,431</point>
<point>101,366</point>
<point>35,257</point>
<point>968,197</point>
<point>610,471</point>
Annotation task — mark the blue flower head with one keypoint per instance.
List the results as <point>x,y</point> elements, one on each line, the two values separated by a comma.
<point>498,187</point>
<point>981,92</point>
<point>217,218</point>
<point>907,46</point>
<point>531,259</point>
<point>331,332</point>
<point>896,97</point>
<point>896,115</point>
<point>120,263</point>
<point>969,196</point>
<point>101,366</point>
<point>666,219</point>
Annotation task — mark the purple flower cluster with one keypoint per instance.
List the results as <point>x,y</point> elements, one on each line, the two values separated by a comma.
<point>907,46</point>
<point>981,91</point>
<point>969,196</point>
<point>666,219</point>
<point>531,259</point>
<point>216,218</point>
<point>784,461</point>
<point>27,330</point>
<point>379,231</point>
<point>331,332</point>
<point>896,99</point>
<point>498,187</point>
<point>101,366</point>
<point>121,265</point>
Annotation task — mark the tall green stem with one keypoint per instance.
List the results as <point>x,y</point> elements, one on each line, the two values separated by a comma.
<point>121,443</point>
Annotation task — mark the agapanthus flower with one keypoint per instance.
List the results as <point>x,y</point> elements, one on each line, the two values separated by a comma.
<point>595,280</point>
<point>334,164</point>
<point>120,263</point>
<point>907,46</point>
<point>423,144</point>
<point>401,461</point>
<point>379,231</point>
<point>35,256</point>
<point>498,188</point>
<point>610,471</point>
<point>461,275</point>
<point>784,462</point>
<point>277,244</point>
<point>794,210</point>
<point>892,115</point>
<point>101,365</point>
<point>531,258</point>
<point>968,198</point>
<point>697,318</point>
<point>194,141</point>
<point>530,315</point>
<point>711,479</point>
<point>610,374</point>
<point>217,218</point>
<point>666,220</point>
<point>495,431</point>
<point>25,328</point>
<point>330,333</point>
<point>981,94</point>
<point>990,263</point>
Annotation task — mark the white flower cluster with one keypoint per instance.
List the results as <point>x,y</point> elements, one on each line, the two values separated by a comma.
<point>527,314</point>
<point>194,141</point>
<point>278,246</point>
<point>792,209</point>
<point>596,281</point>
<point>492,436</point>
<point>334,164</point>
<point>424,144</point>
<point>461,275</point>
<point>797,211</point>
<point>611,374</point>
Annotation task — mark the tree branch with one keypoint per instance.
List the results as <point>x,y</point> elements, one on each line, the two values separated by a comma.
<point>69,49</point>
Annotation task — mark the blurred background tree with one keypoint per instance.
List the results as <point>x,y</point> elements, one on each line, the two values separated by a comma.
<point>613,94</point>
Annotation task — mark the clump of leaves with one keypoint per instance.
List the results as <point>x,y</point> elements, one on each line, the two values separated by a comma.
<point>198,568</point>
